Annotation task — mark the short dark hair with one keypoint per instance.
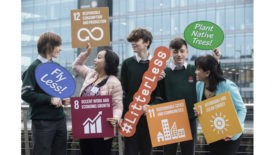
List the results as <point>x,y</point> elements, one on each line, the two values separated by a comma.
<point>209,63</point>
<point>111,62</point>
<point>140,33</point>
<point>177,43</point>
<point>47,42</point>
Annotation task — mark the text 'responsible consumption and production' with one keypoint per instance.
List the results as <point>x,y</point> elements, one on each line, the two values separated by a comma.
<point>90,25</point>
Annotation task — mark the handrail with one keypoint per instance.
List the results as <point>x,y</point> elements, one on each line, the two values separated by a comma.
<point>25,107</point>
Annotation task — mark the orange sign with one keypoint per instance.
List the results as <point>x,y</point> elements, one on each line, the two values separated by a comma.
<point>143,95</point>
<point>168,123</point>
<point>90,25</point>
<point>218,117</point>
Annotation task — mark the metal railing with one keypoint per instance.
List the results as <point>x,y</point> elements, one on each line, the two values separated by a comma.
<point>200,146</point>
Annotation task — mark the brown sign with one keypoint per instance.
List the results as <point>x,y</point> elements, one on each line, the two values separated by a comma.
<point>90,25</point>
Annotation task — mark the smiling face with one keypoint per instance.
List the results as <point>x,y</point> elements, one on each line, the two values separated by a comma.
<point>180,55</point>
<point>99,61</point>
<point>139,45</point>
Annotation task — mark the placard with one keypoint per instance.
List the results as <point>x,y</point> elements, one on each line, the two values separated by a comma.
<point>203,35</point>
<point>90,25</point>
<point>143,95</point>
<point>168,123</point>
<point>55,80</point>
<point>218,117</point>
<point>89,117</point>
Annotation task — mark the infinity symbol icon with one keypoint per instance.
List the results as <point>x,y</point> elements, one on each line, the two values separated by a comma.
<point>90,35</point>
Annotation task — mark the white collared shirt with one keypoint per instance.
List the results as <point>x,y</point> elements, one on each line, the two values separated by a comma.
<point>173,66</point>
<point>42,59</point>
<point>139,58</point>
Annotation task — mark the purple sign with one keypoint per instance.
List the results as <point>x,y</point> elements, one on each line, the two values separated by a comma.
<point>89,117</point>
<point>55,80</point>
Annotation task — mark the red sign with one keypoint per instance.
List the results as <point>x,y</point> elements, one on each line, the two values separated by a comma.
<point>89,117</point>
<point>143,95</point>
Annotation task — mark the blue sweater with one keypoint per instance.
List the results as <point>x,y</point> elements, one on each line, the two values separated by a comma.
<point>222,87</point>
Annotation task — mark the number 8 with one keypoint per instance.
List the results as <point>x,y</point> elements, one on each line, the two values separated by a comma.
<point>76,104</point>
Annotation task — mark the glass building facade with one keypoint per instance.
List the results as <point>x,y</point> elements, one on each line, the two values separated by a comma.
<point>38,16</point>
<point>166,19</point>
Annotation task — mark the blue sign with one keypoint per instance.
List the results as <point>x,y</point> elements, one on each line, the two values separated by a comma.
<point>55,80</point>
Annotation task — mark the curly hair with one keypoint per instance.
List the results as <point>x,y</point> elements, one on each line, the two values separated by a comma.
<point>140,33</point>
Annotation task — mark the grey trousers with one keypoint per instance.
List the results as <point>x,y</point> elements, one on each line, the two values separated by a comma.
<point>49,137</point>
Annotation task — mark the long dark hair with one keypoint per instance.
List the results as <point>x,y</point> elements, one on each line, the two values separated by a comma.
<point>209,63</point>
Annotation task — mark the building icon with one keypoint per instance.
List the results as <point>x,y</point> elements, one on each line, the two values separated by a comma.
<point>93,126</point>
<point>174,131</point>
<point>181,133</point>
<point>170,134</point>
<point>160,137</point>
<point>166,129</point>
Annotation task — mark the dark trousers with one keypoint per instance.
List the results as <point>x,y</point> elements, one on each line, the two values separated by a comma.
<point>96,146</point>
<point>140,142</point>
<point>222,147</point>
<point>49,137</point>
<point>187,147</point>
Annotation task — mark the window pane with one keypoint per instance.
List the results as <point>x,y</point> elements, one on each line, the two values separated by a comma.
<point>157,25</point>
<point>140,5</point>
<point>229,19</point>
<point>149,4</point>
<point>211,16</point>
<point>239,48</point>
<point>249,45</point>
<point>149,23</point>
<point>166,3</point>
<point>249,17</point>
<point>175,24</point>
<point>220,18</point>
<point>116,7</point>
<point>229,47</point>
<point>175,3</point>
<point>166,24</point>
<point>239,18</point>
<point>192,17</point>
<point>183,21</point>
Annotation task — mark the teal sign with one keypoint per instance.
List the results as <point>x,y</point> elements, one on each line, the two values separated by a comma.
<point>203,35</point>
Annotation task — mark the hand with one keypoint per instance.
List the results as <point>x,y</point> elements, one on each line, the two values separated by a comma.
<point>113,121</point>
<point>89,49</point>
<point>196,112</point>
<point>144,108</point>
<point>162,75</point>
<point>56,101</point>
<point>119,123</point>
<point>66,101</point>
<point>217,54</point>
<point>228,138</point>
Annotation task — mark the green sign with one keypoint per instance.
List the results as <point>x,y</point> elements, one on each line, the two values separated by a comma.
<point>203,35</point>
